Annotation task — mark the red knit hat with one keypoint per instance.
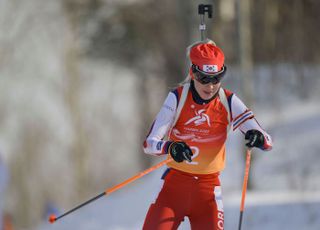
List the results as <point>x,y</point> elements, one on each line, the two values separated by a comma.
<point>207,57</point>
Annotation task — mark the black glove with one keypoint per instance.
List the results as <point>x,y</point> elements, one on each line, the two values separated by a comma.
<point>255,137</point>
<point>180,151</point>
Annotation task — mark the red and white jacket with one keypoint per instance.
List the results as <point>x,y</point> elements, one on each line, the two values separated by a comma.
<point>203,125</point>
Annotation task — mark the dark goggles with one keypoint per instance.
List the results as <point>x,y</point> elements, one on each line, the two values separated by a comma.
<point>205,78</point>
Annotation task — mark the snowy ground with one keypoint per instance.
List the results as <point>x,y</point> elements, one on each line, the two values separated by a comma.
<point>126,209</point>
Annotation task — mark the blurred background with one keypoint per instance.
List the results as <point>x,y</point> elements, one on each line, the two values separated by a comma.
<point>82,80</point>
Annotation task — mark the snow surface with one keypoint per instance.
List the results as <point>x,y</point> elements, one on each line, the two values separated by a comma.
<point>126,209</point>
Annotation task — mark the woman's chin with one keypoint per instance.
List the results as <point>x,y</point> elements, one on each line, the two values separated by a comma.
<point>206,96</point>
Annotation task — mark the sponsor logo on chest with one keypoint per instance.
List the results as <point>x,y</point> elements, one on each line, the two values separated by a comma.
<point>199,118</point>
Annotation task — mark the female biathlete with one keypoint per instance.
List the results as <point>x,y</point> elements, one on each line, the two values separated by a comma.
<point>195,119</point>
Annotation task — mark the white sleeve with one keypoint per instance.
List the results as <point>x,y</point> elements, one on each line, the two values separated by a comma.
<point>243,118</point>
<point>154,143</point>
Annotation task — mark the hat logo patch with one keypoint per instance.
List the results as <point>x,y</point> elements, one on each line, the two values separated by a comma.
<point>210,68</point>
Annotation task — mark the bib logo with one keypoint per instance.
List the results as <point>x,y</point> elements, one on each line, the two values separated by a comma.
<point>200,118</point>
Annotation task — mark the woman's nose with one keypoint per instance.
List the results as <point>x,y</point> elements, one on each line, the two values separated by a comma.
<point>211,85</point>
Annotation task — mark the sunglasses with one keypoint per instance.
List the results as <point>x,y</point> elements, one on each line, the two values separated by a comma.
<point>205,78</point>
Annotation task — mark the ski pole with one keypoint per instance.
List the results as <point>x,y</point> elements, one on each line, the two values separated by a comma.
<point>244,186</point>
<point>53,218</point>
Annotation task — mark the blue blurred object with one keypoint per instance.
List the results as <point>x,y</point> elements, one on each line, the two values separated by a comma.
<point>50,208</point>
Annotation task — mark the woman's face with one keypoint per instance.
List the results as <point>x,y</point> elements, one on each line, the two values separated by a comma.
<point>206,91</point>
